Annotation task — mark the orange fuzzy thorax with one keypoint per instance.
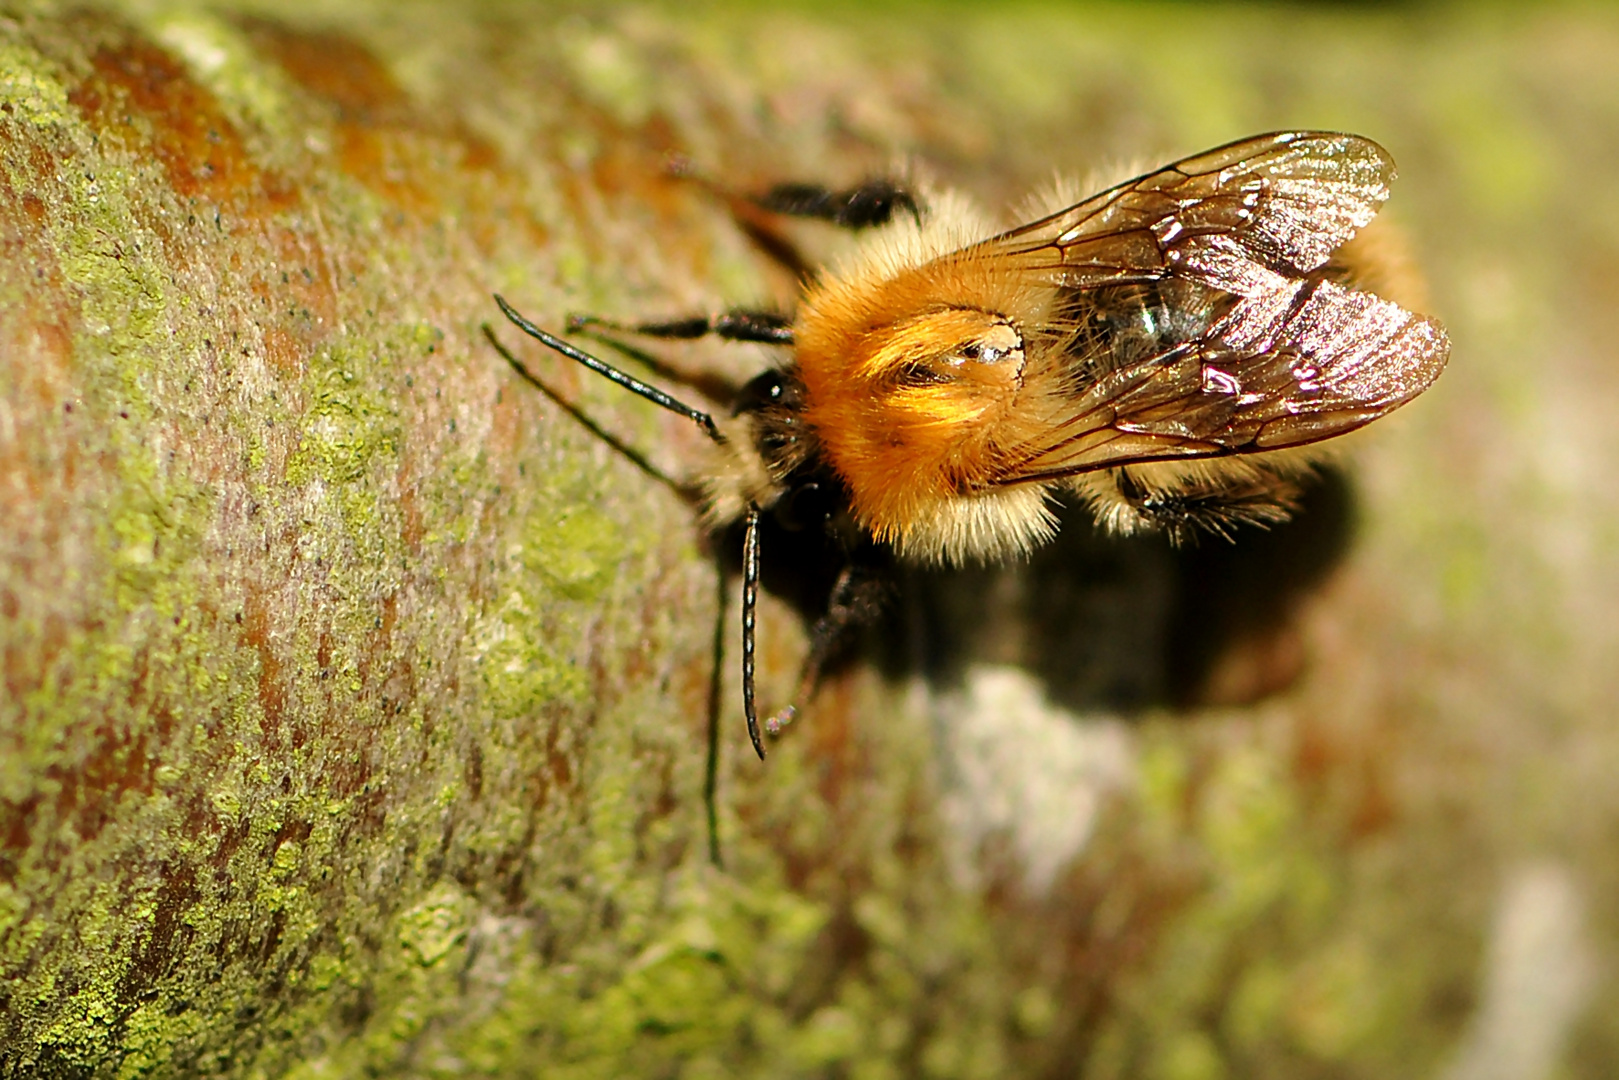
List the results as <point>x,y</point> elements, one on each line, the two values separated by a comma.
<point>897,390</point>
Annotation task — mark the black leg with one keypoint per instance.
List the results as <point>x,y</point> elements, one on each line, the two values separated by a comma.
<point>769,327</point>
<point>872,202</point>
<point>856,600</point>
<point>1265,499</point>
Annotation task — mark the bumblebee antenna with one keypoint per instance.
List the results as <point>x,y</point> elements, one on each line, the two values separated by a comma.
<point>750,604</point>
<point>613,374</point>
<point>750,540</point>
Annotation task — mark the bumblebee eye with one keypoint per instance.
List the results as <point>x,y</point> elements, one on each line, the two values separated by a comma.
<point>999,344</point>
<point>771,389</point>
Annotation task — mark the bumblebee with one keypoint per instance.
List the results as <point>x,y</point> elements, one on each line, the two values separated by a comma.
<point>1171,350</point>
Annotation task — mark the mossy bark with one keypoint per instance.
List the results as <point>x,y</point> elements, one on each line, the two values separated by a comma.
<point>357,697</point>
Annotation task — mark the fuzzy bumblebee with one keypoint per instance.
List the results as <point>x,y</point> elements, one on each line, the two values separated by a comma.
<point>1170,349</point>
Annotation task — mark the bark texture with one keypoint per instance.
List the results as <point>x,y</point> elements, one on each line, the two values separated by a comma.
<point>357,697</point>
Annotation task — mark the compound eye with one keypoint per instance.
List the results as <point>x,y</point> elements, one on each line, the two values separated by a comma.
<point>761,392</point>
<point>996,345</point>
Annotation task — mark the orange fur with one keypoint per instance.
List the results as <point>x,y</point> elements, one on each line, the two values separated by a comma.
<point>906,419</point>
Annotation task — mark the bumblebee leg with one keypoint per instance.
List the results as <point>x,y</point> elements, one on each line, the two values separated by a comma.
<point>1259,497</point>
<point>768,327</point>
<point>871,202</point>
<point>856,600</point>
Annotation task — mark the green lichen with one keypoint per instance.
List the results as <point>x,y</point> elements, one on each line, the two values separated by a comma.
<point>350,430</point>
<point>28,90</point>
<point>436,925</point>
<point>100,248</point>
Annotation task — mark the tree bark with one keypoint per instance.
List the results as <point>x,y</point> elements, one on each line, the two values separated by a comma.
<point>360,699</point>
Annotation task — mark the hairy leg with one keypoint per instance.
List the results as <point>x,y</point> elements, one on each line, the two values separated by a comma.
<point>871,202</point>
<point>856,600</point>
<point>1212,504</point>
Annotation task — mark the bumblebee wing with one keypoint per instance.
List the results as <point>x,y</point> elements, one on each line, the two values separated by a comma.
<point>1284,201</point>
<point>1301,361</point>
<point>1288,358</point>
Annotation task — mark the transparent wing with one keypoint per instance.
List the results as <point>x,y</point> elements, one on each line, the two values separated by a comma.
<point>1291,358</point>
<point>1284,201</point>
<point>1304,362</point>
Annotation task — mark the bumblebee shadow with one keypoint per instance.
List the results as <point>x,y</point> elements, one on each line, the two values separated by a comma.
<point>1125,624</point>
